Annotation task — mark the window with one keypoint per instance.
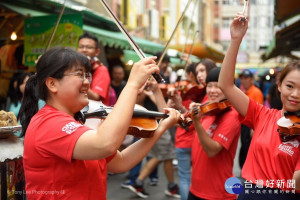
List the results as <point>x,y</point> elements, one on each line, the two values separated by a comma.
<point>226,23</point>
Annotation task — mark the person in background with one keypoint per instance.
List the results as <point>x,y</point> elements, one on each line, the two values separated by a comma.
<point>273,96</point>
<point>247,82</point>
<point>162,152</point>
<point>203,67</point>
<point>164,66</point>
<point>118,79</point>
<point>253,92</point>
<point>271,164</point>
<point>60,153</point>
<point>99,90</point>
<point>16,92</point>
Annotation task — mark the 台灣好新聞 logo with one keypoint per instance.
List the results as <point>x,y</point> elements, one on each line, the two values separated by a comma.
<point>233,185</point>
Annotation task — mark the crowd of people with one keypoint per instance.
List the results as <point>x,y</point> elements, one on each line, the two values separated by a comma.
<point>74,158</point>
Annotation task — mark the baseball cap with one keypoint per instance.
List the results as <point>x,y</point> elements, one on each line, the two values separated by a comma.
<point>246,73</point>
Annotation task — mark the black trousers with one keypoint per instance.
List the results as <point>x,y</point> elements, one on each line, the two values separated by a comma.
<point>193,197</point>
<point>245,143</point>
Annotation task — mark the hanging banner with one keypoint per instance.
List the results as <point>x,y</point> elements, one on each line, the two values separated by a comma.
<point>38,31</point>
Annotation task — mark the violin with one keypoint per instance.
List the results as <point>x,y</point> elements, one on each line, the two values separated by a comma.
<point>190,91</point>
<point>212,108</point>
<point>143,123</point>
<point>289,126</point>
<point>187,90</point>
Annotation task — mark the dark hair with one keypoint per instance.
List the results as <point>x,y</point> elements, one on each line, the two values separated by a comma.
<point>191,68</point>
<point>53,63</point>
<point>208,63</point>
<point>213,75</point>
<point>14,92</point>
<point>166,58</point>
<point>90,36</point>
<point>294,65</point>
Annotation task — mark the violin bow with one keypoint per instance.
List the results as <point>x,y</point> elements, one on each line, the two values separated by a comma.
<point>190,51</point>
<point>173,33</point>
<point>244,10</point>
<point>133,44</point>
<point>56,25</point>
<point>188,33</point>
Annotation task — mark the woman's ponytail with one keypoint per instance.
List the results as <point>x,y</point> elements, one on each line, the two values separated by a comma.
<point>29,105</point>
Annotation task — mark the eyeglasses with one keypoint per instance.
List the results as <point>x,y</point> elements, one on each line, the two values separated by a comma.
<point>86,47</point>
<point>81,75</point>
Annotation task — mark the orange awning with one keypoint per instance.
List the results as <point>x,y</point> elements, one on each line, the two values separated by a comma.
<point>202,51</point>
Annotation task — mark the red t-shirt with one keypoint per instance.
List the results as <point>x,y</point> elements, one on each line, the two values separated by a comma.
<point>184,139</point>
<point>210,174</point>
<point>50,171</point>
<point>269,159</point>
<point>101,83</point>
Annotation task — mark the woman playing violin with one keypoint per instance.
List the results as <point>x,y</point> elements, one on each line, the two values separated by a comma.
<point>271,163</point>
<point>214,146</point>
<point>60,154</point>
<point>183,138</point>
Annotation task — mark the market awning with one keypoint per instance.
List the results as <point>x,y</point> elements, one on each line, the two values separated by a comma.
<point>44,7</point>
<point>287,38</point>
<point>201,50</point>
<point>174,59</point>
<point>118,40</point>
<point>284,42</point>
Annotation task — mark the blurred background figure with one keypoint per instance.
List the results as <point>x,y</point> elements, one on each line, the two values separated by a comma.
<point>164,69</point>
<point>16,91</point>
<point>273,96</point>
<point>99,90</point>
<point>118,81</point>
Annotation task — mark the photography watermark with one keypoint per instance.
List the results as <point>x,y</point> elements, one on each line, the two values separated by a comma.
<point>39,192</point>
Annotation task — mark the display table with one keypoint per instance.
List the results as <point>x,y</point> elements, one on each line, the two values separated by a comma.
<point>11,149</point>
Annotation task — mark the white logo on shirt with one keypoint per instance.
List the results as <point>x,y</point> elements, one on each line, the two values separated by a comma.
<point>287,147</point>
<point>295,143</point>
<point>71,127</point>
<point>223,137</point>
<point>211,129</point>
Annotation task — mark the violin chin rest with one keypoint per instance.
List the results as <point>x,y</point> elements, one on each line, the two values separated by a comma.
<point>284,122</point>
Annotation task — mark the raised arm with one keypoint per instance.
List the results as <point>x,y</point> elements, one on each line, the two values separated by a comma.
<point>226,79</point>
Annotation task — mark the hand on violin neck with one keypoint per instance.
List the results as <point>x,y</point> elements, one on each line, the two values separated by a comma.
<point>141,71</point>
<point>174,117</point>
<point>195,112</point>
